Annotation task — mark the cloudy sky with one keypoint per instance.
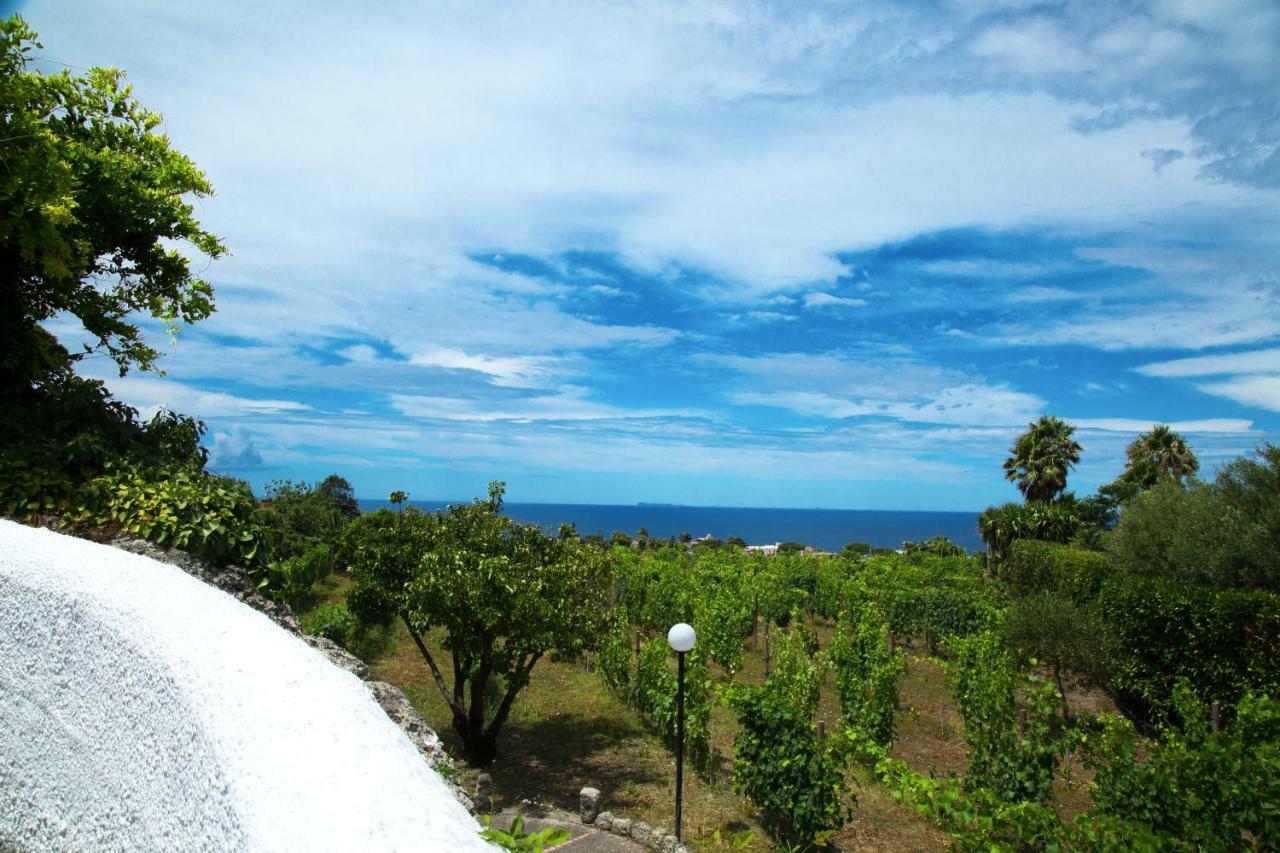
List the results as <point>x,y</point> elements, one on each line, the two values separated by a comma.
<point>762,254</point>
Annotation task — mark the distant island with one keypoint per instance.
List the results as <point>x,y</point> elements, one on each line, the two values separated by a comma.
<point>646,503</point>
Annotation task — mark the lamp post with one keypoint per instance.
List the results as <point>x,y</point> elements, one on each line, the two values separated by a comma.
<point>681,638</point>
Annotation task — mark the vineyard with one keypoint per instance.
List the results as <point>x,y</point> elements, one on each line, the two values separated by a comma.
<point>867,700</point>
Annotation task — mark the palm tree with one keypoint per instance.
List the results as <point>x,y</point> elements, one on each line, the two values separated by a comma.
<point>398,498</point>
<point>1158,454</point>
<point>1041,457</point>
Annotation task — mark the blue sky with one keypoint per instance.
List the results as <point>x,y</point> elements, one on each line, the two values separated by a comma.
<point>761,254</point>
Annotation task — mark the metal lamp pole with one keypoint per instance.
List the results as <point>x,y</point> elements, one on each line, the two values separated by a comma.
<point>681,638</point>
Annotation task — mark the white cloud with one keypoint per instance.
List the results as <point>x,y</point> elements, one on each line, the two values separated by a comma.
<point>1262,390</point>
<point>568,404</point>
<point>149,395</point>
<point>830,300</point>
<point>1257,361</point>
<point>511,371</point>
<point>1231,426</point>
<point>234,450</point>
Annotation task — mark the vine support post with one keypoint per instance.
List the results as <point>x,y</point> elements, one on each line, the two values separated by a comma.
<point>822,729</point>
<point>767,661</point>
<point>1215,714</point>
<point>1022,723</point>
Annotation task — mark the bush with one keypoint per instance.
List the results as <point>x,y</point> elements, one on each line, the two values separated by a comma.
<point>1224,535</point>
<point>797,674</point>
<point>654,695</point>
<point>1034,566</point>
<point>291,579</point>
<point>1210,791</point>
<point>1000,526</point>
<point>1156,632</point>
<point>209,516</point>
<point>1014,765</point>
<point>334,622</point>
<point>1055,631</point>
<point>866,674</point>
<point>779,763</point>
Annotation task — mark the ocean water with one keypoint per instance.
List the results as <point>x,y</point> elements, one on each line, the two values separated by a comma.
<point>828,529</point>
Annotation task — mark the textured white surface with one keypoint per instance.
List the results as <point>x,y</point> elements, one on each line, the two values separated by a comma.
<point>141,709</point>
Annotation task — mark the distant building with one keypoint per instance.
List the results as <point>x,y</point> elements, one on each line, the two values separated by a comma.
<point>767,550</point>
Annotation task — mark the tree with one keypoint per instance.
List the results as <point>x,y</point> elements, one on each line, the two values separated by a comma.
<point>340,495</point>
<point>1041,457</point>
<point>92,203</point>
<point>1157,454</point>
<point>503,595</point>
<point>398,498</point>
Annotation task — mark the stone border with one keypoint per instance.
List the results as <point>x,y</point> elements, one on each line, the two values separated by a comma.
<point>235,581</point>
<point>655,838</point>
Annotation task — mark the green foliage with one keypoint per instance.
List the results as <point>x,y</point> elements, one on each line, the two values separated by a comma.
<point>797,671</point>
<point>654,695</point>
<point>613,657</point>
<point>333,622</point>
<point>1055,631</point>
<point>291,579</point>
<point>1226,534</point>
<point>299,516</point>
<point>515,839</point>
<point>1222,642</point>
<point>928,596</point>
<point>779,763</point>
<point>1015,765</point>
<point>1001,526</point>
<point>1211,791</point>
<point>209,516</point>
<point>504,594</point>
<point>866,673</point>
<point>1041,457</point>
<point>939,545</point>
<point>92,200</point>
<point>1034,566</point>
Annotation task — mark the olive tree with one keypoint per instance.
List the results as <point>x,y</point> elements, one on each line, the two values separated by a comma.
<point>493,595</point>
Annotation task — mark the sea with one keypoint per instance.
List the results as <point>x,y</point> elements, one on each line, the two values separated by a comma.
<point>826,529</point>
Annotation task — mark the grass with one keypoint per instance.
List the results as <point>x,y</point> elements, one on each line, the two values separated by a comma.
<point>567,731</point>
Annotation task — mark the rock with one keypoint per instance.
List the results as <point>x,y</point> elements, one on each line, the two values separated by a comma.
<point>655,839</point>
<point>604,821</point>
<point>338,656</point>
<point>588,804</point>
<point>622,826</point>
<point>402,713</point>
<point>669,844</point>
<point>640,831</point>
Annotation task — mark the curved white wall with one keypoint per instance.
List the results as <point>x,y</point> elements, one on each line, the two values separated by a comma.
<point>141,709</point>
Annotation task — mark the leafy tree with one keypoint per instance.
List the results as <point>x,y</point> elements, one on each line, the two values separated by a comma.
<point>1041,457</point>
<point>92,203</point>
<point>1157,454</point>
<point>503,595</point>
<point>856,549</point>
<point>337,491</point>
<point>398,498</point>
<point>1055,631</point>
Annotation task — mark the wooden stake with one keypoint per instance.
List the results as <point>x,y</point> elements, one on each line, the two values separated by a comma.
<point>822,729</point>
<point>1022,723</point>
<point>1215,714</point>
<point>767,661</point>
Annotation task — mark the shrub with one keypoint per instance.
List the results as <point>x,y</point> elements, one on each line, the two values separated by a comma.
<point>654,695</point>
<point>1156,632</point>
<point>1211,791</point>
<point>797,674</point>
<point>209,516</point>
<point>1034,566</point>
<point>779,763</point>
<point>866,674</point>
<point>1055,631</point>
<point>1223,535</point>
<point>334,622</point>
<point>1000,526</point>
<point>1014,765</point>
<point>291,579</point>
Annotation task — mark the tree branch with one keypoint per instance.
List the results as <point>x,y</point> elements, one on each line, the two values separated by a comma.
<point>512,689</point>
<point>458,711</point>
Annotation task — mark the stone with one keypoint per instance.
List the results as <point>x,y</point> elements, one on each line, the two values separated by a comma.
<point>640,831</point>
<point>484,785</point>
<point>655,839</point>
<point>338,656</point>
<point>604,821</point>
<point>398,708</point>
<point>622,826</point>
<point>669,844</point>
<point>588,804</point>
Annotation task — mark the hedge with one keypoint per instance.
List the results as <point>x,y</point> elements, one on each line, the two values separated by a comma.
<point>1156,631</point>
